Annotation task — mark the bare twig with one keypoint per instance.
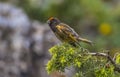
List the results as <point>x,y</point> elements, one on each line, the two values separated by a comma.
<point>117,68</point>
<point>114,58</point>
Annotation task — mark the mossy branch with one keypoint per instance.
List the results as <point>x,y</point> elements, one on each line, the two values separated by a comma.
<point>86,63</point>
<point>117,68</point>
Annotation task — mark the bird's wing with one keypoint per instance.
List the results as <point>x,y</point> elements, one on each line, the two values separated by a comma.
<point>67,31</point>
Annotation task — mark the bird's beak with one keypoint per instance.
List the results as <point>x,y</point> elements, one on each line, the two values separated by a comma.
<point>48,21</point>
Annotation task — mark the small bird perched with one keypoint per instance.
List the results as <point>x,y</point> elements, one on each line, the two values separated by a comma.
<point>65,33</point>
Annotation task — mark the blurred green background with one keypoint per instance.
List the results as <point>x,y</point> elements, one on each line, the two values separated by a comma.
<point>97,20</point>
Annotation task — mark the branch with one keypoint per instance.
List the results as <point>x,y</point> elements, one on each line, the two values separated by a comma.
<point>109,58</point>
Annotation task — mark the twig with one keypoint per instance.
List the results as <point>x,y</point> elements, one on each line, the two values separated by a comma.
<point>114,58</point>
<point>109,58</point>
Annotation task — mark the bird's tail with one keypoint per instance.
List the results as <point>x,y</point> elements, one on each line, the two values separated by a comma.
<point>86,41</point>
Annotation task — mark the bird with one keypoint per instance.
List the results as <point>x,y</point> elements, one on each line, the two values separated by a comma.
<point>65,33</point>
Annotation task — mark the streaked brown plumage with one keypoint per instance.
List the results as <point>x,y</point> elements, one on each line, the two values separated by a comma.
<point>65,33</point>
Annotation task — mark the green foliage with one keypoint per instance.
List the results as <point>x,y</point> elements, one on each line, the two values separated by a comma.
<point>65,56</point>
<point>118,59</point>
<point>105,72</point>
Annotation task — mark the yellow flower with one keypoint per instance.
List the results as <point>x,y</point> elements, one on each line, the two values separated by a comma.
<point>105,29</point>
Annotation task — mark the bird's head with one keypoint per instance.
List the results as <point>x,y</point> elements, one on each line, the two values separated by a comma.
<point>52,21</point>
